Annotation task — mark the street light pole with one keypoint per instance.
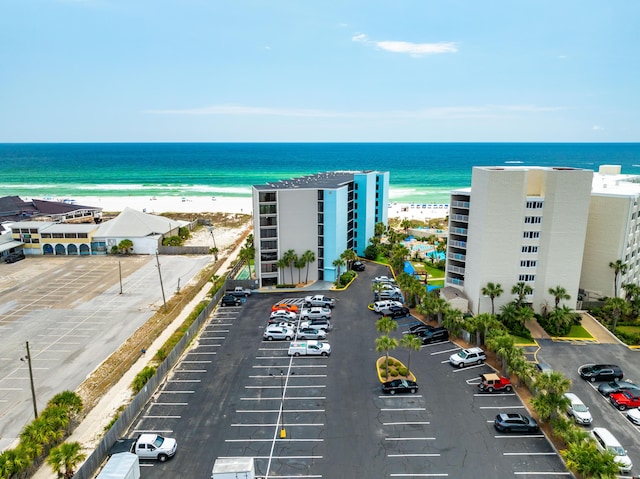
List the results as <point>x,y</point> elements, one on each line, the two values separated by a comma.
<point>33,389</point>
<point>164,300</point>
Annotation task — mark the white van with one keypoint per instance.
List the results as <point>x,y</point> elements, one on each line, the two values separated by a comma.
<point>607,442</point>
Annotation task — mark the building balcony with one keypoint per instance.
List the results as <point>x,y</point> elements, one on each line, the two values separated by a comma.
<point>455,269</point>
<point>457,217</point>
<point>456,257</point>
<point>459,231</point>
<point>457,244</point>
<point>460,204</point>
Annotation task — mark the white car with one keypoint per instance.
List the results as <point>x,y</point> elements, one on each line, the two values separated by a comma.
<point>466,357</point>
<point>578,410</point>
<point>379,306</point>
<point>634,416</point>
<point>284,315</point>
<point>315,313</point>
<point>383,279</point>
<point>274,331</point>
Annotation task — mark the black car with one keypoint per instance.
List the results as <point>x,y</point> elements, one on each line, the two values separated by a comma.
<point>600,372</point>
<point>433,335</point>
<point>400,386</point>
<point>417,328</point>
<point>512,422</point>
<point>617,386</point>
<point>13,257</point>
<point>395,311</point>
<point>230,300</point>
<point>357,266</point>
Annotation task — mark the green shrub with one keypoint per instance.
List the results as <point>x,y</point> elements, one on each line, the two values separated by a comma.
<point>403,371</point>
<point>142,378</point>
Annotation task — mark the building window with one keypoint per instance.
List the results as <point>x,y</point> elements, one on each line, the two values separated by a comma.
<point>46,235</point>
<point>58,235</point>
<point>531,234</point>
<point>268,209</point>
<point>535,204</point>
<point>529,249</point>
<point>320,195</point>
<point>320,217</point>
<point>533,220</point>
<point>268,268</point>
<point>270,256</point>
<point>268,233</point>
<point>83,235</point>
<point>267,197</point>
<point>268,244</point>
<point>320,230</point>
<point>527,277</point>
<point>320,206</point>
<point>528,263</point>
<point>268,220</point>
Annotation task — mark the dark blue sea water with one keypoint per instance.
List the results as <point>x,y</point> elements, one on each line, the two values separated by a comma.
<point>420,172</point>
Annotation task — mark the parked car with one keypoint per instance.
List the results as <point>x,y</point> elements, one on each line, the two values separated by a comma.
<point>393,294</point>
<point>383,279</point>
<point>467,357</point>
<point>543,367</point>
<point>605,441</point>
<point>625,400</point>
<point>309,348</point>
<point>491,382</point>
<point>634,416</point>
<point>311,333</point>
<point>285,306</point>
<point>600,372</point>
<point>379,306</point>
<point>319,300</point>
<point>617,386</point>
<point>400,386</point>
<point>357,266</point>
<point>230,300</point>
<point>320,323</point>
<point>283,314</point>
<point>315,313</point>
<point>577,409</point>
<point>395,312</point>
<point>416,328</point>
<point>13,257</point>
<point>433,335</point>
<point>513,422</point>
<point>282,324</point>
<point>273,331</point>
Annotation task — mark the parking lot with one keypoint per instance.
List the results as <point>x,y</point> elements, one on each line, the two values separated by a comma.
<point>74,314</point>
<point>226,399</point>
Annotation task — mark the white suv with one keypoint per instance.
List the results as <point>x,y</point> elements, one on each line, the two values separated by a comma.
<point>275,331</point>
<point>467,356</point>
<point>315,313</point>
<point>380,306</point>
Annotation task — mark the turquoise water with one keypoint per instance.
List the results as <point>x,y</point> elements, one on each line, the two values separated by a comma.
<point>422,173</point>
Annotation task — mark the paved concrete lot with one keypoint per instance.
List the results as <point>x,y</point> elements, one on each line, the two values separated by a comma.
<point>71,312</point>
<point>225,399</point>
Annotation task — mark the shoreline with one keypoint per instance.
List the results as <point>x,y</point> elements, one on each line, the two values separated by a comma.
<point>222,204</point>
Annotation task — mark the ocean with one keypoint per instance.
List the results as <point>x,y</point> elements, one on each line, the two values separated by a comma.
<point>419,172</point>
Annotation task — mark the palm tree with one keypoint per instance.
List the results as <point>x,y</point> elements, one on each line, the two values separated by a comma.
<point>405,224</point>
<point>338,263</point>
<point>379,229</point>
<point>309,257</point>
<point>550,400</point>
<point>246,255</point>
<point>349,256</point>
<point>214,251</point>
<point>300,263</point>
<point>64,459</point>
<point>493,291</point>
<point>290,257</point>
<point>385,325</point>
<point>386,344</point>
<point>560,319</point>
<point>482,324</point>
<point>619,269</point>
<point>559,294</point>
<point>504,347</point>
<point>282,264</point>
<point>440,308</point>
<point>616,308</point>
<point>453,320</point>
<point>586,459</point>
<point>411,343</point>
<point>521,289</point>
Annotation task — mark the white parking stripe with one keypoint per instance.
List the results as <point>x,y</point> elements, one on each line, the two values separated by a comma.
<point>261,411</point>
<point>413,455</point>
<point>445,351</point>
<point>489,395</point>
<point>293,377</point>
<point>176,392</point>
<point>277,440</point>
<point>288,387</point>
<point>406,423</point>
<point>502,407</point>
<point>544,473</point>
<point>405,409</point>
<point>288,398</point>
<point>394,396</point>
<point>468,367</point>
<point>278,424</point>
<point>528,453</point>
<point>409,438</point>
<point>406,474</point>
<point>184,380</point>
<point>511,436</point>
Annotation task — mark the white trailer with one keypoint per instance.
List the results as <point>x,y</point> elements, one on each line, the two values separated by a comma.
<point>124,465</point>
<point>234,468</point>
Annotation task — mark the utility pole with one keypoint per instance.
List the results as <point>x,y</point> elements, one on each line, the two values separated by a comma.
<point>215,248</point>
<point>120,271</point>
<point>33,389</point>
<point>164,300</point>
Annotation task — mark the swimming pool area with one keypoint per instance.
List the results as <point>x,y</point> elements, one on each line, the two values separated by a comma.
<point>409,269</point>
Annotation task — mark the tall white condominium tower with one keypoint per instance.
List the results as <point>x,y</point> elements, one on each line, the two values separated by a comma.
<point>518,224</point>
<point>613,233</point>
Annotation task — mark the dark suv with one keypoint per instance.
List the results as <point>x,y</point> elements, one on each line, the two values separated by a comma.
<point>13,257</point>
<point>357,266</point>
<point>600,372</point>
<point>230,300</point>
<point>433,335</point>
<point>395,311</point>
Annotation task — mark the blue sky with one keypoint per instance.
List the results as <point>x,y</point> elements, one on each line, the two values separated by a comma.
<point>316,71</point>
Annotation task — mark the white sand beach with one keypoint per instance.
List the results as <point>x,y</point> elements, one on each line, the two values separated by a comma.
<point>227,204</point>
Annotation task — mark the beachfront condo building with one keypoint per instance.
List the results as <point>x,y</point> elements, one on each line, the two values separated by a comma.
<point>613,233</point>
<point>326,214</point>
<point>518,225</point>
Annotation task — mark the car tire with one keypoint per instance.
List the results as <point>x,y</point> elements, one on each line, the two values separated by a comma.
<point>413,390</point>
<point>392,392</point>
<point>296,354</point>
<point>479,362</point>
<point>461,365</point>
<point>269,338</point>
<point>592,379</point>
<point>324,353</point>
<point>490,389</point>
<point>162,457</point>
<point>622,407</point>
<point>508,389</point>
<point>533,429</point>
<point>287,338</point>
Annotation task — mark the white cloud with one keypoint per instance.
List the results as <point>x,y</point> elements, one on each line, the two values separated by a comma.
<point>457,112</point>
<point>413,49</point>
<point>597,128</point>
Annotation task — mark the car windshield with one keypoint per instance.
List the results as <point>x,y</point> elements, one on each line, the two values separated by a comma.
<point>158,441</point>
<point>462,354</point>
<point>617,450</point>
<point>579,407</point>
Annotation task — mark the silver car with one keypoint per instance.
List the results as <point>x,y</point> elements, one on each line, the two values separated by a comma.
<point>315,313</point>
<point>578,410</point>
<point>274,331</point>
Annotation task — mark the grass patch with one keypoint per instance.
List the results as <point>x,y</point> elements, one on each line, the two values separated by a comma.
<point>629,329</point>
<point>579,332</point>
<point>522,340</point>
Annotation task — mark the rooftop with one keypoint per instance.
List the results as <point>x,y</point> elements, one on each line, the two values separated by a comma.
<point>328,179</point>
